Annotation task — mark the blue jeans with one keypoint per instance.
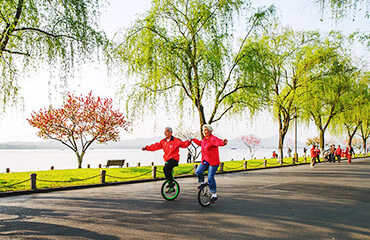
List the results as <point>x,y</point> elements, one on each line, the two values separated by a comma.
<point>211,175</point>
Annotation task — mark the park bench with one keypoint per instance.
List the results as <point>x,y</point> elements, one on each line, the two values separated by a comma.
<point>118,162</point>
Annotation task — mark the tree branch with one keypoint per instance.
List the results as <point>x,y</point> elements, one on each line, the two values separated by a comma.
<point>16,52</point>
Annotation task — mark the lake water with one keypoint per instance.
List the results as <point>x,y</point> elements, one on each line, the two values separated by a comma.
<point>34,160</point>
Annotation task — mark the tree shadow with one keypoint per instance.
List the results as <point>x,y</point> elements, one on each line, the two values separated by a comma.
<point>22,225</point>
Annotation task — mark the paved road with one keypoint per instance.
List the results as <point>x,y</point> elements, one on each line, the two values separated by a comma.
<point>330,201</point>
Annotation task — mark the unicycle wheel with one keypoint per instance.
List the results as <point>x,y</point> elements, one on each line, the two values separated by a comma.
<point>204,196</point>
<point>170,193</point>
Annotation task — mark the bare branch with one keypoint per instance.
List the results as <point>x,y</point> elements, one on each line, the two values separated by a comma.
<point>16,52</point>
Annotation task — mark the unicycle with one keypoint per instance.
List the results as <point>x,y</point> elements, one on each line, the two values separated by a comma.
<point>204,195</point>
<point>170,193</point>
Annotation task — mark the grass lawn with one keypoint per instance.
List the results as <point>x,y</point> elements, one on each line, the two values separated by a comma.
<point>73,177</point>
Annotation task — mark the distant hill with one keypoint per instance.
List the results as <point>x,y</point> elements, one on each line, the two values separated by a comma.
<point>270,142</point>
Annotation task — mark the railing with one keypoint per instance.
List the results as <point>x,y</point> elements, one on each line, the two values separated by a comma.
<point>224,168</point>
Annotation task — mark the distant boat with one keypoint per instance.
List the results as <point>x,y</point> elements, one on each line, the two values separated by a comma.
<point>234,149</point>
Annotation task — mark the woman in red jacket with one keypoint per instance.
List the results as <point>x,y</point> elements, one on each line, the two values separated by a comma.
<point>348,153</point>
<point>170,146</point>
<point>210,159</point>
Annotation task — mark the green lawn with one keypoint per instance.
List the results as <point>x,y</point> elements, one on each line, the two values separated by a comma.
<point>73,177</point>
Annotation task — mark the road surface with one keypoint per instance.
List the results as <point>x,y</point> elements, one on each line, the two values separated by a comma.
<point>330,201</point>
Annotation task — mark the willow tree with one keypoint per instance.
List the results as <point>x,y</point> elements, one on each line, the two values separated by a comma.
<point>53,32</point>
<point>183,49</point>
<point>343,8</point>
<point>332,82</point>
<point>280,57</point>
<point>355,111</point>
<point>364,129</point>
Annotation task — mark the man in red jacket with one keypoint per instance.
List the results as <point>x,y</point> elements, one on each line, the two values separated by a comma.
<point>313,155</point>
<point>170,146</point>
<point>338,153</point>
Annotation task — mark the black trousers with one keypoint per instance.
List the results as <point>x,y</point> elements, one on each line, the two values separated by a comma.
<point>168,167</point>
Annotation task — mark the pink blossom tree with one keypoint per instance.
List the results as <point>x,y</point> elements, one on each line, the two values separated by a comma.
<point>79,122</point>
<point>252,142</point>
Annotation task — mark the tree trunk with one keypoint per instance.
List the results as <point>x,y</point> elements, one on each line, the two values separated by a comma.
<point>322,141</point>
<point>281,141</point>
<point>364,145</point>
<point>202,119</point>
<point>351,134</point>
<point>5,36</point>
<point>79,158</point>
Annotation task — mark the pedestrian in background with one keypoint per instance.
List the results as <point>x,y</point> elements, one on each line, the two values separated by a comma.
<point>348,153</point>
<point>313,155</point>
<point>338,153</point>
<point>317,149</point>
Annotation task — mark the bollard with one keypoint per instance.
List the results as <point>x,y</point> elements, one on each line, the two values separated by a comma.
<point>232,159</point>
<point>245,165</point>
<point>243,159</point>
<point>99,166</point>
<point>102,176</point>
<point>264,162</point>
<point>154,172</point>
<point>152,163</point>
<point>88,165</point>
<point>33,180</point>
<point>126,164</point>
<point>8,170</point>
<point>305,159</point>
<point>221,167</point>
<point>195,166</point>
<point>52,168</point>
<point>293,159</point>
<point>138,164</point>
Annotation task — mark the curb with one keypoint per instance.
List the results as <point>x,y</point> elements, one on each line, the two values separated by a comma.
<point>48,190</point>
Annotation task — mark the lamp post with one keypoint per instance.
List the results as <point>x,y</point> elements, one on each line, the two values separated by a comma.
<point>295,136</point>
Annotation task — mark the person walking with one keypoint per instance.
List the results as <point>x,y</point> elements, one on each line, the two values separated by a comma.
<point>338,153</point>
<point>289,152</point>
<point>210,159</point>
<point>332,154</point>
<point>313,155</point>
<point>170,146</point>
<point>188,160</point>
<point>317,150</point>
<point>348,153</point>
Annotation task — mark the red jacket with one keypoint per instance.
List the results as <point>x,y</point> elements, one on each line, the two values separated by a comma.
<point>348,151</point>
<point>313,152</point>
<point>170,148</point>
<point>338,152</point>
<point>210,149</point>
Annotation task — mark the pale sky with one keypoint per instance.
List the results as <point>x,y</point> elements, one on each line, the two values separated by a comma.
<point>299,14</point>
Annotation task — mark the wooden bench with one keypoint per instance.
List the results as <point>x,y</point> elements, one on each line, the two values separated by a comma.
<point>118,162</point>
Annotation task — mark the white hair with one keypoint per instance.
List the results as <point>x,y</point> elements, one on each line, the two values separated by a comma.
<point>169,129</point>
<point>208,126</point>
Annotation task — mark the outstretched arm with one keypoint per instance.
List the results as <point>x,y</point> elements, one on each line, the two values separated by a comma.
<point>219,142</point>
<point>154,147</point>
<point>197,142</point>
<point>185,144</point>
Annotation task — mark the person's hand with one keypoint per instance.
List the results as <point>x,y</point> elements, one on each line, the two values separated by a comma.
<point>225,141</point>
<point>144,148</point>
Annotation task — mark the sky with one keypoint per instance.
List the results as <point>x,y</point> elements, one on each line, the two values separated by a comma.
<point>120,14</point>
